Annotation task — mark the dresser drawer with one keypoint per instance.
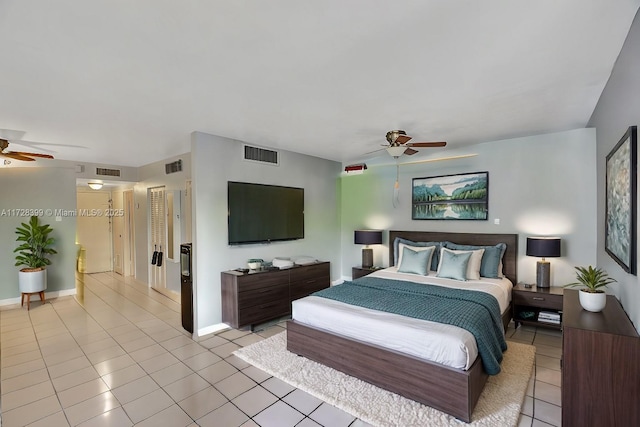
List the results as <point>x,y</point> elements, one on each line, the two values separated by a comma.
<point>305,287</point>
<point>263,295</point>
<point>308,272</point>
<point>257,281</point>
<point>541,300</point>
<point>263,312</point>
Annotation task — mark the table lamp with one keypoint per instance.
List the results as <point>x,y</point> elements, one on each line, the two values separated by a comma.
<point>367,237</point>
<point>543,247</point>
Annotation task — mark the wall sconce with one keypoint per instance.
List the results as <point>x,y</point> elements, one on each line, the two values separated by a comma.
<point>367,237</point>
<point>94,185</point>
<point>543,247</point>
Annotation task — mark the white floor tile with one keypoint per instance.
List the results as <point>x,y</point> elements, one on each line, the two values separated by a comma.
<point>254,401</point>
<point>227,415</point>
<point>201,403</point>
<point>147,405</point>
<point>331,416</point>
<point>279,415</point>
<point>138,355</point>
<point>90,408</point>
<point>113,418</point>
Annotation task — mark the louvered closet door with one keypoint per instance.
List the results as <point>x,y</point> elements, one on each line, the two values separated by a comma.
<point>158,237</point>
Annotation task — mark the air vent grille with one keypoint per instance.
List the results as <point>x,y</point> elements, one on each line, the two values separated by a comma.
<point>107,172</point>
<point>262,155</point>
<point>173,167</point>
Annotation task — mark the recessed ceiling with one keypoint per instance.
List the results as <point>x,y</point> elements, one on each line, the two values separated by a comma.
<point>125,83</point>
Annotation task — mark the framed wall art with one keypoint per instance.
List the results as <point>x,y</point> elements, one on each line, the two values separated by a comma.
<point>451,197</point>
<point>620,201</point>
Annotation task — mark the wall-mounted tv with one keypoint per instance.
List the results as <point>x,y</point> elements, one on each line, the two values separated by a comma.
<point>261,213</point>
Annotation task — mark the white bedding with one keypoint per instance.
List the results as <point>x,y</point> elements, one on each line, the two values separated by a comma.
<point>445,344</point>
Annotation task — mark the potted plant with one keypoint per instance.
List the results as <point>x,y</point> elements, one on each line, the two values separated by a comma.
<point>32,253</point>
<point>594,280</point>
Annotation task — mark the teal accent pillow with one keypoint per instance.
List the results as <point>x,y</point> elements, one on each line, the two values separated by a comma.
<point>434,259</point>
<point>454,266</point>
<point>491,259</point>
<point>415,262</point>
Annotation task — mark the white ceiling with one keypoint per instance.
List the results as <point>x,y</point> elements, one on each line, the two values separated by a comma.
<point>126,82</point>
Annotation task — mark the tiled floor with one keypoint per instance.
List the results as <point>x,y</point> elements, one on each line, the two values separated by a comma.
<point>122,358</point>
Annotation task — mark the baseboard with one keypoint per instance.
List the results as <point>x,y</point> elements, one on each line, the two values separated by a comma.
<point>212,329</point>
<point>47,295</point>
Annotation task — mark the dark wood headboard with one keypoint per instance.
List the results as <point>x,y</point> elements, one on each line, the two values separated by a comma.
<point>509,261</point>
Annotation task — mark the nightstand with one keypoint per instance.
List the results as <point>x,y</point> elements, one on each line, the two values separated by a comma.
<point>357,272</point>
<point>527,304</point>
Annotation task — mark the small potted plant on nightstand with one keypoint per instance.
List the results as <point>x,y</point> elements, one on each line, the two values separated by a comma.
<point>594,280</point>
<point>32,254</point>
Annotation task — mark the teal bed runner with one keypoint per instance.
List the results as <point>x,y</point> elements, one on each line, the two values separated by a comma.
<point>475,311</point>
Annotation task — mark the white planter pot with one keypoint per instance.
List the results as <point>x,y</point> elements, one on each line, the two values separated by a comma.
<point>32,281</point>
<point>594,302</point>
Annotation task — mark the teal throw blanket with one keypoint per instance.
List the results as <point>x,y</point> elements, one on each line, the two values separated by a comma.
<point>475,311</point>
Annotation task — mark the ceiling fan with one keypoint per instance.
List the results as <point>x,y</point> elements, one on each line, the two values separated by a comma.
<point>399,144</point>
<point>20,155</point>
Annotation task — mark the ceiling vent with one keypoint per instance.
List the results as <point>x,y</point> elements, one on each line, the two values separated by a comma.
<point>257,154</point>
<point>107,172</point>
<point>173,167</point>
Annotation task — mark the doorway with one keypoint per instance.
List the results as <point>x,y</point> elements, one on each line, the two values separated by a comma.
<point>123,231</point>
<point>94,230</point>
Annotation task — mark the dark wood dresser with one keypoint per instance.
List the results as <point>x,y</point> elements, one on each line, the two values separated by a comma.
<point>600,365</point>
<point>257,297</point>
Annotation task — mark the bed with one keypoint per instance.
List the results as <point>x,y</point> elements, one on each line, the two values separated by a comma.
<point>449,389</point>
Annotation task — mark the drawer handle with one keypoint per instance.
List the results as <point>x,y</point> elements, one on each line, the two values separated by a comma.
<point>311,281</point>
<point>538,298</point>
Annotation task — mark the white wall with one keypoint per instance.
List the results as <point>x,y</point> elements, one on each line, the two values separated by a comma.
<point>617,109</point>
<point>38,188</point>
<point>216,160</point>
<point>539,185</point>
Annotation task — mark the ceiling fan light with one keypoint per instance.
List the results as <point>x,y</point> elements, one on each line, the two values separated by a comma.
<point>95,185</point>
<point>396,151</point>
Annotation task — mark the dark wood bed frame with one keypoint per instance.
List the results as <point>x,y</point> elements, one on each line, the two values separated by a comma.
<point>450,390</point>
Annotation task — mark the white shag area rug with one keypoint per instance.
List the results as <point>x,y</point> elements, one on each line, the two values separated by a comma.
<point>499,404</point>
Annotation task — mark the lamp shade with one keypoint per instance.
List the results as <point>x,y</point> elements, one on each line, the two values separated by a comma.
<point>95,185</point>
<point>543,247</point>
<point>367,237</point>
<point>396,151</point>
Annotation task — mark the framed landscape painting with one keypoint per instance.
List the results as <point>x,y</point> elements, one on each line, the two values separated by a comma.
<point>451,197</point>
<point>620,201</point>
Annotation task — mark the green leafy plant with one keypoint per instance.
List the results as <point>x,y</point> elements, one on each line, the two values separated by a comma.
<point>592,279</point>
<point>36,245</point>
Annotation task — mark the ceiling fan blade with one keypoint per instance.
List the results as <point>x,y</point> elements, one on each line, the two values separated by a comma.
<point>402,139</point>
<point>23,153</point>
<point>427,144</point>
<point>439,159</point>
<point>11,134</point>
<point>375,151</point>
<point>16,156</point>
<point>42,146</point>
<point>417,162</point>
<point>409,151</point>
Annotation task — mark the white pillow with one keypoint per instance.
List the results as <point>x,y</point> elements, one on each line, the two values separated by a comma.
<point>473,268</point>
<point>401,246</point>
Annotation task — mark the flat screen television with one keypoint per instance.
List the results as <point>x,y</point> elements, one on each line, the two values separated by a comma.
<point>261,213</point>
